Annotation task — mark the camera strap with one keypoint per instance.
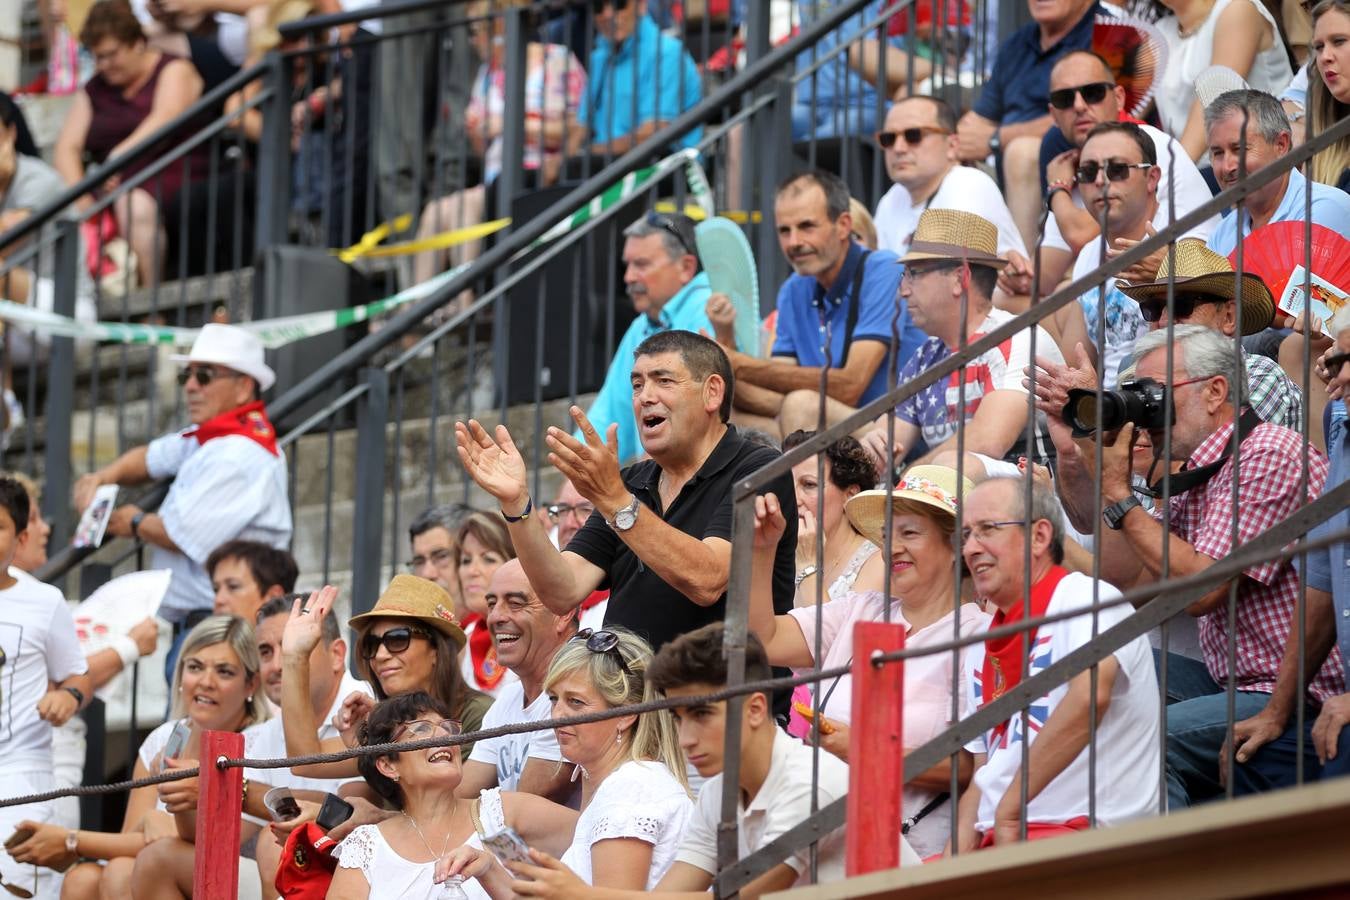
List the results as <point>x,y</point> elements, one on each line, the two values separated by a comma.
<point>1190,479</point>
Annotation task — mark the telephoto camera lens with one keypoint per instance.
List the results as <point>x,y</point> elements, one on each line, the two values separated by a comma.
<point>1142,402</point>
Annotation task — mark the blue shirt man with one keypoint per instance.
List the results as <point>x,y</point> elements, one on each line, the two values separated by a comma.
<point>638,78</point>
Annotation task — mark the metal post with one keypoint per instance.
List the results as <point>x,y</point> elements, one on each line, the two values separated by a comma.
<point>274,163</point>
<point>736,628</point>
<point>372,415</point>
<point>772,130</point>
<point>61,392</point>
<point>876,751</point>
<point>513,127</point>
<point>215,869</point>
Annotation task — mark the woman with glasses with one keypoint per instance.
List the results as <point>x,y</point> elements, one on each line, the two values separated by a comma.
<point>215,688</point>
<point>484,546</point>
<point>634,796</point>
<point>923,595</point>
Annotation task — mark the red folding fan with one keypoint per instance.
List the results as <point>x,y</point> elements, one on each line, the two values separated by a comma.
<point>1136,52</point>
<point>1276,250</point>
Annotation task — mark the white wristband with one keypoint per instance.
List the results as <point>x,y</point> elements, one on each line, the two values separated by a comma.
<point>126,649</point>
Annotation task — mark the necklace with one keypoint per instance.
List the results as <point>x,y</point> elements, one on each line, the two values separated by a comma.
<point>445,845</point>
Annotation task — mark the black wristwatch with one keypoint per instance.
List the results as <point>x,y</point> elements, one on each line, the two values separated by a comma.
<point>76,693</point>
<point>1114,515</point>
<point>136,524</point>
<point>995,143</point>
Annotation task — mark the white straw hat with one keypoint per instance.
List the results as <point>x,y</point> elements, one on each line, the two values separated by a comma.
<point>232,347</point>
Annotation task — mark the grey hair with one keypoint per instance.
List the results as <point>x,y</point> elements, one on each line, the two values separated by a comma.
<point>1205,353</point>
<point>1264,112</point>
<point>674,248</point>
<point>1044,505</point>
<point>449,516</point>
<point>1340,321</point>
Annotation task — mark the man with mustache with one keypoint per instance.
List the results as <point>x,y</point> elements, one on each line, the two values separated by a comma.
<point>662,276</point>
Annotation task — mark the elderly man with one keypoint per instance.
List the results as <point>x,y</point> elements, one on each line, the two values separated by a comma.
<point>995,539</point>
<point>837,279</point>
<point>435,552</point>
<point>918,140</point>
<point>1206,397</point>
<point>568,513</point>
<point>953,262</point>
<point>527,635</point>
<point>660,536</point>
<point>1009,118</point>
<point>229,479</point>
<point>661,274</point>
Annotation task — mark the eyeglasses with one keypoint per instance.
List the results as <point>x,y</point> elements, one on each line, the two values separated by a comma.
<point>558,511</point>
<point>421,729</point>
<point>912,136</point>
<point>15,890</point>
<point>1332,364</point>
<point>1115,171</point>
<point>1092,94</point>
<point>204,375</point>
<point>1183,305</point>
<point>666,223</point>
<point>606,642</point>
<point>983,531</point>
<point>395,640</point>
<point>914,273</point>
<point>438,558</point>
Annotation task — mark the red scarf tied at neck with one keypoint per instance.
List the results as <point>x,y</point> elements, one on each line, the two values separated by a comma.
<point>1004,657</point>
<point>249,420</point>
<point>487,672</point>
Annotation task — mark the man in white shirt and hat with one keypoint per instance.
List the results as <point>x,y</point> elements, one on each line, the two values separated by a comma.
<point>229,478</point>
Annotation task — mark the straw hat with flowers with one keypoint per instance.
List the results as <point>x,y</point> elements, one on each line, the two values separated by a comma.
<point>932,490</point>
<point>1199,270</point>
<point>416,599</point>
<point>952,235</point>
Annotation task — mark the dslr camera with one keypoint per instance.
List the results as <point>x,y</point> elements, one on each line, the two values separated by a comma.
<point>1143,402</point>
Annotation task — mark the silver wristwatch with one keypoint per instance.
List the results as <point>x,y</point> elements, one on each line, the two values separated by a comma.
<point>625,517</point>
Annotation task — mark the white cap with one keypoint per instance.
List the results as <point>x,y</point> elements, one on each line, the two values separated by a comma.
<point>232,347</point>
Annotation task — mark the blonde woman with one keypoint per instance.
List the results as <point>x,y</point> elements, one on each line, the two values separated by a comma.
<point>634,796</point>
<point>1329,89</point>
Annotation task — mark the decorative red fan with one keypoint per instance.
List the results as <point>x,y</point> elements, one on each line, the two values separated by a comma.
<point>1276,250</point>
<point>1136,52</point>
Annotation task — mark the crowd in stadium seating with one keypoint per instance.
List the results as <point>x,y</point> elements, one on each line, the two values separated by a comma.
<point>995,492</point>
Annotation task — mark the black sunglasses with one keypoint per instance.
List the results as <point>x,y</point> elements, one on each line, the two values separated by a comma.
<point>597,6</point>
<point>1115,170</point>
<point>1182,306</point>
<point>204,375</point>
<point>666,223</point>
<point>1092,94</point>
<point>1332,364</point>
<point>912,136</point>
<point>395,640</point>
<point>606,642</point>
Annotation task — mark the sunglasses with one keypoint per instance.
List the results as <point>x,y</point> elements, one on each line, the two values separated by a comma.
<point>1332,364</point>
<point>421,729</point>
<point>912,136</point>
<point>1115,171</point>
<point>1092,94</point>
<point>1182,306</point>
<point>598,6</point>
<point>606,642</point>
<point>395,640</point>
<point>667,224</point>
<point>204,375</point>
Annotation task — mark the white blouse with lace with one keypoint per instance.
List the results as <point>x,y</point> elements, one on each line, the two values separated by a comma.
<point>390,876</point>
<point>640,799</point>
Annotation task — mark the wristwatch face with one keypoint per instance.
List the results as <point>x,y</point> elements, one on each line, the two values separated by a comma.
<point>626,518</point>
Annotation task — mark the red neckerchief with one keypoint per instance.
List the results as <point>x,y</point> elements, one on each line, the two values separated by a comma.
<point>487,674</point>
<point>595,599</point>
<point>249,420</point>
<point>1003,657</point>
<point>1123,116</point>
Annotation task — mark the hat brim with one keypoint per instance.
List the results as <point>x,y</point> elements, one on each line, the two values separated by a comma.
<point>261,373</point>
<point>866,511</point>
<point>974,259</point>
<point>450,629</point>
<point>1258,306</point>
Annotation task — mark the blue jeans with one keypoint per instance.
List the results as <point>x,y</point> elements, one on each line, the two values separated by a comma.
<point>1273,766</point>
<point>1197,725</point>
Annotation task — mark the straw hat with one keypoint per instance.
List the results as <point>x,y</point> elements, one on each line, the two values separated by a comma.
<point>1199,270</point>
<point>410,597</point>
<point>931,486</point>
<point>951,234</point>
<point>232,347</point>
<point>267,36</point>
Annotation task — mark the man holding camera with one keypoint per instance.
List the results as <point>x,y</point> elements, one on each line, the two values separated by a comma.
<point>1205,389</point>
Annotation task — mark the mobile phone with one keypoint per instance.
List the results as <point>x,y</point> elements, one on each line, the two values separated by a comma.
<point>808,714</point>
<point>508,846</point>
<point>18,837</point>
<point>334,812</point>
<point>176,744</point>
<point>281,803</point>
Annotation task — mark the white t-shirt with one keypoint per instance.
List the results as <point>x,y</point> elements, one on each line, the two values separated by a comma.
<point>782,802</point>
<point>510,752</point>
<point>1127,738</point>
<point>154,743</point>
<point>966,189</point>
<point>37,635</point>
<point>269,742</point>
<point>1190,190</point>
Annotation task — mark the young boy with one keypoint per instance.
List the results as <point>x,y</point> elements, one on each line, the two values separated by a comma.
<point>775,782</point>
<point>246,574</point>
<point>43,682</point>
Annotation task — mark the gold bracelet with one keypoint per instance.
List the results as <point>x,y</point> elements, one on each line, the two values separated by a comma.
<point>243,795</point>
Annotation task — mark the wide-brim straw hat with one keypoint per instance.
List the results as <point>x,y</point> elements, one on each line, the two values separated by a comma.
<point>417,599</point>
<point>955,236</point>
<point>934,487</point>
<point>1199,270</point>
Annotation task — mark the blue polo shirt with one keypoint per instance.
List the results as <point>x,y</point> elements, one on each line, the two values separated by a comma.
<point>614,404</point>
<point>1328,569</point>
<point>1330,207</point>
<point>657,65</point>
<point>1019,88</point>
<point>806,310</point>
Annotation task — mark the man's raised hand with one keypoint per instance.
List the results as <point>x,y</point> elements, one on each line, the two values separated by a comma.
<point>495,465</point>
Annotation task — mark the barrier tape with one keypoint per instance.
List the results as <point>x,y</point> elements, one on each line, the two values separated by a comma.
<point>279,332</point>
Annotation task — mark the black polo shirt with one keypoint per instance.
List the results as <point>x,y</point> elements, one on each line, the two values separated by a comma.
<point>639,599</point>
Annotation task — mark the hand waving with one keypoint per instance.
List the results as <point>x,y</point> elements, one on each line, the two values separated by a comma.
<point>304,628</point>
<point>495,465</point>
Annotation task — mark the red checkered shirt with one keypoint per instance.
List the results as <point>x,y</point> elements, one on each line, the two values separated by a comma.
<point>1269,463</point>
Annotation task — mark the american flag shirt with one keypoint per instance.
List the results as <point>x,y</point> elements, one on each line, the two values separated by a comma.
<point>1268,465</point>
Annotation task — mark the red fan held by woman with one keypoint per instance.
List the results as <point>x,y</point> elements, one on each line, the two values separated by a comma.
<point>1278,253</point>
<point>1136,52</point>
